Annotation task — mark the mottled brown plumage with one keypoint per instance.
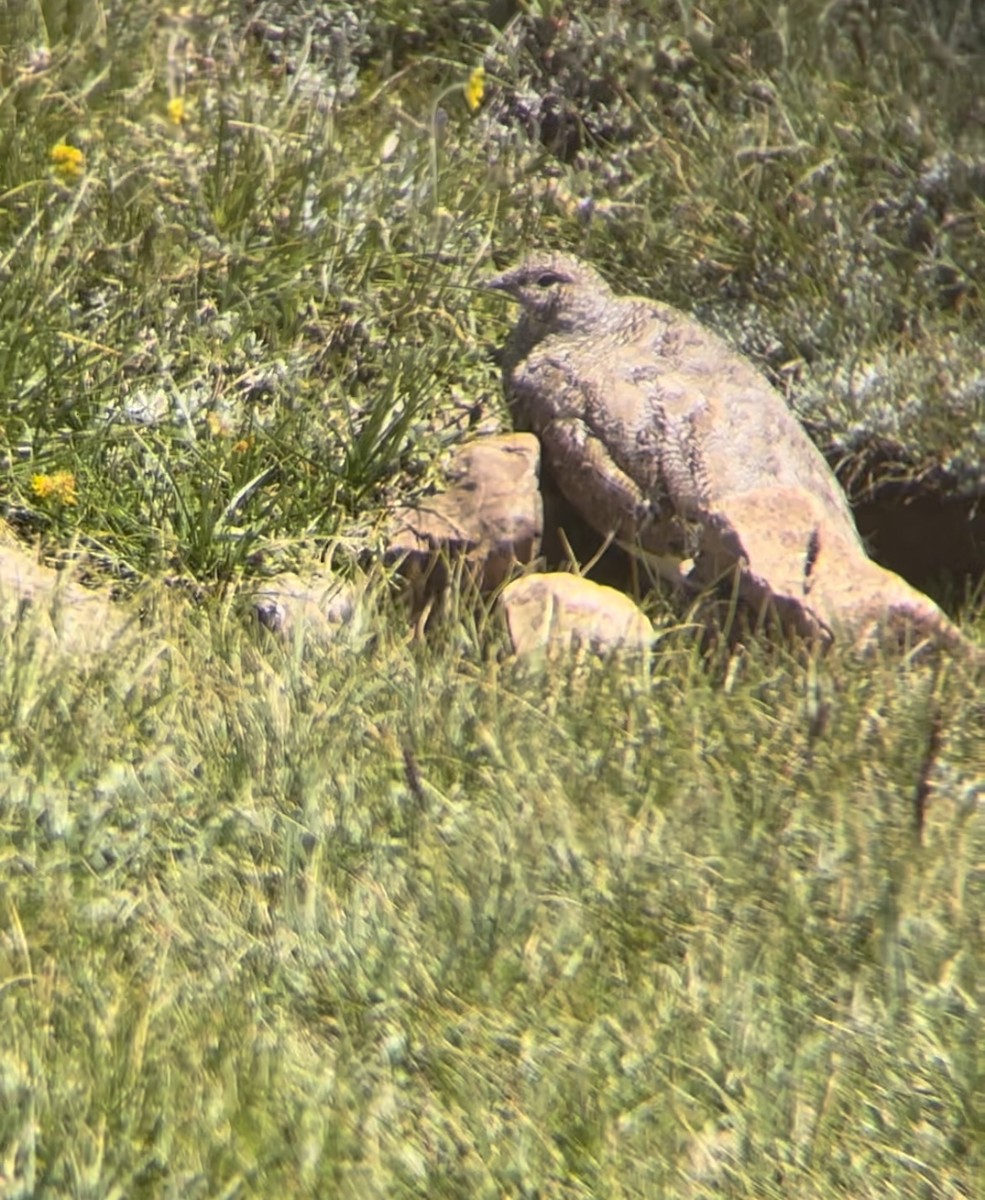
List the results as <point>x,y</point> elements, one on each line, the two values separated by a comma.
<point>651,395</point>
<point>659,433</point>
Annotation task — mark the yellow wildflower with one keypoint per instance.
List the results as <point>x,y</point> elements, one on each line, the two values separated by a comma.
<point>68,161</point>
<point>59,487</point>
<point>475,89</point>
<point>243,445</point>
<point>176,109</point>
<point>218,424</point>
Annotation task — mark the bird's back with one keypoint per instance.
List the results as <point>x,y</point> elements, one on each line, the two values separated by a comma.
<point>657,381</point>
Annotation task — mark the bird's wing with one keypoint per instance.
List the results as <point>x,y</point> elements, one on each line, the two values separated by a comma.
<point>600,448</point>
<point>726,428</point>
<point>551,387</point>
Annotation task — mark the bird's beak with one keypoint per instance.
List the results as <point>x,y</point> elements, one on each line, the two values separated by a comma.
<point>496,283</point>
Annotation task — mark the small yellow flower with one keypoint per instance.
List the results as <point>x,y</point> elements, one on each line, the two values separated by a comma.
<point>176,109</point>
<point>59,487</point>
<point>218,424</point>
<point>475,89</point>
<point>67,160</point>
<point>242,445</point>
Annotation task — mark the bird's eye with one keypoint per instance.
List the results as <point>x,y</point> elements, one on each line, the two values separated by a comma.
<point>548,279</point>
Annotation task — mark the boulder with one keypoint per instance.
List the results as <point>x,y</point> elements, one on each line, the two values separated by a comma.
<point>556,611</point>
<point>491,516</point>
<point>62,612</point>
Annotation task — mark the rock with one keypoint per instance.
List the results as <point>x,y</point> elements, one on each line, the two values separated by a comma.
<point>320,605</point>
<point>491,516</point>
<point>812,574</point>
<point>63,614</point>
<point>559,611</point>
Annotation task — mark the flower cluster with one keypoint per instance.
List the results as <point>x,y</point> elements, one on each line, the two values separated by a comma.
<point>58,488</point>
<point>68,161</point>
<point>475,89</point>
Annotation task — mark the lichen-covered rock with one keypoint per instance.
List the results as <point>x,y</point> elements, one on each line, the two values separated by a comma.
<point>809,571</point>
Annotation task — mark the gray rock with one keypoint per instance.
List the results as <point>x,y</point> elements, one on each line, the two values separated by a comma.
<point>60,612</point>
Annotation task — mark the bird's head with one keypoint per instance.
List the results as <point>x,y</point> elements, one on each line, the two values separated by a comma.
<point>557,291</point>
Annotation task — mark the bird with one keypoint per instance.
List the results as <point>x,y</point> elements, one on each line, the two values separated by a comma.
<point>675,409</point>
<point>661,435</point>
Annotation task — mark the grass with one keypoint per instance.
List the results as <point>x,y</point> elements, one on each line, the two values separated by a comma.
<point>399,921</point>
<point>396,917</point>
